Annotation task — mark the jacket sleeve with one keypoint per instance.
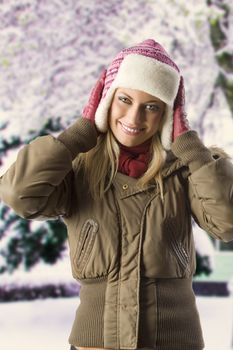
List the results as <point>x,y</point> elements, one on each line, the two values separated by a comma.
<point>39,184</point>
<point>210,185</point>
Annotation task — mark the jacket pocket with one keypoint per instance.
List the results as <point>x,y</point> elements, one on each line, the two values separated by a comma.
<point>178,248</point>
<point>85,244</point>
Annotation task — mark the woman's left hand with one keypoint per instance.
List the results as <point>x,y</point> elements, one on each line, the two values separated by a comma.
<point>180,121</point>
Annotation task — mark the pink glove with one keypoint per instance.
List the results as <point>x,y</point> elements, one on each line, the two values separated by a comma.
<point>94,99</point>
<point>180,122</point>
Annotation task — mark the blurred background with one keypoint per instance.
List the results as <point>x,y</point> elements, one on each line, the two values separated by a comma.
<point>51,53</point>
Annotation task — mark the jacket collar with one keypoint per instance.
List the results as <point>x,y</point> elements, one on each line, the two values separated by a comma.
<point>126,186</point>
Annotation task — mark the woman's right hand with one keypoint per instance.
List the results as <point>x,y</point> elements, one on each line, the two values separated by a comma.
<point>94,99</point>
<point>81,136</point>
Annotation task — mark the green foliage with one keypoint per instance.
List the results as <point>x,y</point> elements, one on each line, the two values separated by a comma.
<point>227,87</point>
<point>218,29</point>
<point>203,265</point>
<point>51,125</point>
<point>225,60</point>
<point>6,145</point>
<point>25,246</point>
<point>216,33</point>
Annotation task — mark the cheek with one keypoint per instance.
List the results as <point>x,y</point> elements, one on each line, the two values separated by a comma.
<point>155,122</point>
<point>111,118</point>
<point>116,111</point>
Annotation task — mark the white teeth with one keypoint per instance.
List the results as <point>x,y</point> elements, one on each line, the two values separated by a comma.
<point>132,130</point>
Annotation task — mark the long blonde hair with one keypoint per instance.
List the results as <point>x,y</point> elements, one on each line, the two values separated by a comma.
<point>100,164</point>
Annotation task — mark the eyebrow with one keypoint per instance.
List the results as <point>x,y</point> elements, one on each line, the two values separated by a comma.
<point>151,101</point>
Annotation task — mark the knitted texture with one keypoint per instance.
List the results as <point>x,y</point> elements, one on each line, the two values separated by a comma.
<point>146,67</point>
<point>190,149</point>
<point>180,122</point>
<point>148,48</point>
<point>162,322</point>
<point>79,137</point>
<point>133,161</point>
<point>94,99</point>
<point>88,327</point>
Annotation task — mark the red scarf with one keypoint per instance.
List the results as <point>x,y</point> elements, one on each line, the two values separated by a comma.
<point>133,161</point>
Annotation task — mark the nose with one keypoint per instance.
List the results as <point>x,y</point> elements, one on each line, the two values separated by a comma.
<point>135,115</point>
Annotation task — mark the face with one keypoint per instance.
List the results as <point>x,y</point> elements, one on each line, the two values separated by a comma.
<point>135,116</point>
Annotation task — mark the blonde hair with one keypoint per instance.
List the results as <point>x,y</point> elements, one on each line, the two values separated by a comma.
<point>100,164</point>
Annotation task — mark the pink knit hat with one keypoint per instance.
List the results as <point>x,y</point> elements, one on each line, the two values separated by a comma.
<point>146,67</point>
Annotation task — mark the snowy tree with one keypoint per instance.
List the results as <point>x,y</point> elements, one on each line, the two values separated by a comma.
<point>23,242</point>
<point>50,56</point>
<point>220,33</point>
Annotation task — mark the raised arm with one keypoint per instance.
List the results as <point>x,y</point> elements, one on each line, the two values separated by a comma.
<point>39,184</point>
<point>210,185</point>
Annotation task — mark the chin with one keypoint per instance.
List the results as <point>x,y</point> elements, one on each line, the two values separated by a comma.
<point>130,143</point>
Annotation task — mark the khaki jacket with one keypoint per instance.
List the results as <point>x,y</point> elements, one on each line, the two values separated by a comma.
<point>132,251</point>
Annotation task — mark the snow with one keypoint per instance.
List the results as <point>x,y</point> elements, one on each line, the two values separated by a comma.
<point>46,324</point>
<point>51,53</point>
<point>217,322</point>
<point>41,324</point>
<point>41,274</point>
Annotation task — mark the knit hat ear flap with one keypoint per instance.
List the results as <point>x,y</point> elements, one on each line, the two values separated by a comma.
<point>146,67</point>
<point>167,128</point>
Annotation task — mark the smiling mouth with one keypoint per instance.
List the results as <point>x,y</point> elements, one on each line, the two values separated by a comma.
<point>130,130</point>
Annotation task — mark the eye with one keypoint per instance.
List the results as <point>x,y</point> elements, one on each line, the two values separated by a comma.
<point>153,108</point>
<point>124,99</point>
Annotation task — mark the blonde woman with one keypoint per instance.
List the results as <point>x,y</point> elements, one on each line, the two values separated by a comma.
<point>126,178</point>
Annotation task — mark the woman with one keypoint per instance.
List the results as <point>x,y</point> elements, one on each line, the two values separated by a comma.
<point>127,177</point>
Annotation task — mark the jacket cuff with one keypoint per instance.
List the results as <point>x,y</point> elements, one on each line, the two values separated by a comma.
<point>80,137</point>
<point>190,149</point>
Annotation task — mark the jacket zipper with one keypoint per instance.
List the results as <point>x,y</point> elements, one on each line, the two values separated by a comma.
<point>180,253</point>
<point>85,244</point>
<point>179,250</point>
